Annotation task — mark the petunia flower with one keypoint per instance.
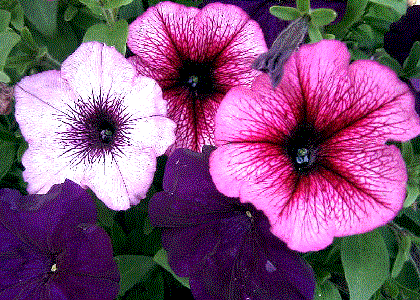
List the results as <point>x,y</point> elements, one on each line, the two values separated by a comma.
<point>223,246</point>
<point>311,154</point>
<point>51,248</point>
<point>258,10</point>
<point>196,56</point>
<point>94,122</point>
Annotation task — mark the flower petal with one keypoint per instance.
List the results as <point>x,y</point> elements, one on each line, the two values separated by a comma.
<point>89,72</point>
<point>123,180</point>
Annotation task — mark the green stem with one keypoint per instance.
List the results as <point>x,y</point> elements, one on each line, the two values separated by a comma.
<point>48,59</point>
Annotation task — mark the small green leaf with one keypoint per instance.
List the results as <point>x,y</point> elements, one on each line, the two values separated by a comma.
<point>413,192</point>
<point>161,258</point>
<point>105,214</point>
<point>413,58</point>
<point>4,77</point>
<point>326,291</point>
<point>314,33</point>
<point>354,11</point>
<point>17,16</point>
<point>322,16</point>
<point>403,255</point>
<point>7,151</point>
<point>399,6</point>
<point>366,263</point>
<point>70,12</point>
<point>111,4</point>
<point>28,45</point>
<point>385,59</point>
<point>285,12</point>
<point>8,40</point>
<point>303,5</point>
<point>377,23</point>
<point>115,35</point>
<point>133,269</point>
<point>42,14</point>
<point>93,6</point>
<point>5,18</point>
<point>21,63</point>
<point>329,36</point>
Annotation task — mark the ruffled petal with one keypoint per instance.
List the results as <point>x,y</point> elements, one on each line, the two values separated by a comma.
<point>89,72</point>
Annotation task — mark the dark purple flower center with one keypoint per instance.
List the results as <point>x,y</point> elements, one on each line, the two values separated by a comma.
<point>197,77</point>
<point>302,146</point>
<point>98,126</point>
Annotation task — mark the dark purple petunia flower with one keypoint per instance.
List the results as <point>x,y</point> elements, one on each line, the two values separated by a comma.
<point>223,246</point>
<point>271,25</point>
<point>51,248</point>
<point>402,34</point>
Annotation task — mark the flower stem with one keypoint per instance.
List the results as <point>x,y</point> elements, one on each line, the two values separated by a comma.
<point>109,14</point>
<point>48,59</point>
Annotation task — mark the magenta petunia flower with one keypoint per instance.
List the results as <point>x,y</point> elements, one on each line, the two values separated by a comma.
<point>196,56</point>
<point>223,246</point>
<point>94,122</point>
<point>311,154</point>
<point>51,247</point>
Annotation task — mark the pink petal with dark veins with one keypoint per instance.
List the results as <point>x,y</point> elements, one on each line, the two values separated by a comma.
<point>356,183</point>
<point>217,44</point>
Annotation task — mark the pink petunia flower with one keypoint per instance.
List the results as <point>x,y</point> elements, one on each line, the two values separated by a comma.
<point>94,122</point>
<point>196,56</point>
<point>311,154</point>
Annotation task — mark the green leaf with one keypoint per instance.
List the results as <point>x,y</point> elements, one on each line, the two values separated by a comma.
<point>42,14</point>
<point>8,40</point>
<point>377,23</point>
<point>153,288</point>
<point>93,6</point>
<point>285,12</point>
<point>70,12</point>
<point>105,214</point>
<point>366,263</point>
<point>7,151</point>
<point>161,258</point>
<point>413,58</point>
<point>390,288</point>
<point>28,45</point>
<point>403,255</point>
<point>21,63</point>
<point>413,192</point>
<point>399,6</point>
<point>354,11</point>
<point>111,4</point>
<point>303,5</point>
<point>118,237</point>
<point>4,77</point>
<point>132,10</point>
<point>314,33</point>
<point>115,35</point>
<point>16,11</point>
<point>5,18</point>
<point>322,16</point>
<point>133,269</point>
<point>326,291</point>
<point>385,59</point>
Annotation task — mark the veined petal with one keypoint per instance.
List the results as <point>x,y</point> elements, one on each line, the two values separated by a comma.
<point>40,100</point>
<point>265,120</point>
<point>196,56</point>
<point>89,72</point>
<point>122,180</point>
<point>326,170</point>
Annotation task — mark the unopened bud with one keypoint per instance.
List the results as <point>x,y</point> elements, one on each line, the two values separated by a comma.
<point>287,42</point>
<point>6,99</point>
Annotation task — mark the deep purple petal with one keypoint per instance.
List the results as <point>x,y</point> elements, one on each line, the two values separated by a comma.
<point>53,248</point>
<point>402,34</point>
<point>225,248</point>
